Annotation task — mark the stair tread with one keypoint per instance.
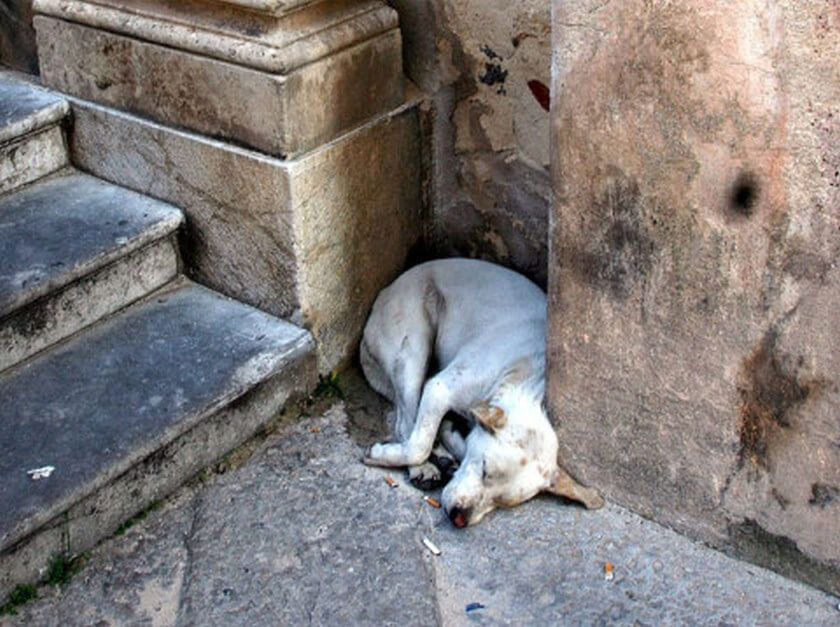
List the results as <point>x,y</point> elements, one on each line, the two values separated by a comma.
<point>60,229</point>
<point>116,393</point>
<point>25,108</point>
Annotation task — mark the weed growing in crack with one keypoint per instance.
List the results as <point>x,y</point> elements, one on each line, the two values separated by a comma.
<point>328,386</point>
<point>141,515</point>
<point>23,593</point>
<point>61,570</point>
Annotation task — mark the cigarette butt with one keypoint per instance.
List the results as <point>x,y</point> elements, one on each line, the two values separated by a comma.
<point>314,429</point>
<point>390,482</point>
<point>431,546</point>
<point>431,502</point>
<point>609,571</point>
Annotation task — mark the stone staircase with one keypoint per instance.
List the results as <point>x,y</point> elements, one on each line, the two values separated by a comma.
<point>268,151</point>
<point>116,371</point>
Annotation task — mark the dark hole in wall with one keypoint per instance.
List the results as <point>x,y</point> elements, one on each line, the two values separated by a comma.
<point>744,194</point>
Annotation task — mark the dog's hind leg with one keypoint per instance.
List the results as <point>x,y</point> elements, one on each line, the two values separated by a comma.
<point>399,375</point>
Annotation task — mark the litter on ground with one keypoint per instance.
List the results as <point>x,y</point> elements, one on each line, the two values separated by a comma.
<point>431,546</point>
<point>37,474</point>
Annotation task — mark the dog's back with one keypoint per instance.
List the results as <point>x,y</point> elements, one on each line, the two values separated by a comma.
<point>485,313</point>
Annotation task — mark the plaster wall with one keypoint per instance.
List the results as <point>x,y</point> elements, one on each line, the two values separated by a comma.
<point>694,293</point>
<point>486,66</point>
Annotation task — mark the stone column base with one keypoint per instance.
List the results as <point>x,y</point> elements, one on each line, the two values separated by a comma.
<point>280,79</point>
<point>312,239</point>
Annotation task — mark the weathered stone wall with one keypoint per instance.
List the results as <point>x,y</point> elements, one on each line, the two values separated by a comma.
<point>486,64</point>
<point>694,281</point>
<point>17,38</point>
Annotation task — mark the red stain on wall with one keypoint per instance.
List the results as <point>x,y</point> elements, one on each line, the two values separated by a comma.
<point>541,93</point>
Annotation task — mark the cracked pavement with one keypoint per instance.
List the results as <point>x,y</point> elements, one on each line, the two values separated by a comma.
<point>303,533</point>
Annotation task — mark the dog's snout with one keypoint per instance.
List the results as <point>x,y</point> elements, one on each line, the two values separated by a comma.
<point>459,517</point>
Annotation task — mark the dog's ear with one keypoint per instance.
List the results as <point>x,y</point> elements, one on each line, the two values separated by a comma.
<point>563,485</point>
<point>490,417</point>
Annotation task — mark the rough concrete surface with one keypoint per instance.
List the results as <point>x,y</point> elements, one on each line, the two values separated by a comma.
<point>131,408</point>
<point>61,229</point>
<point>25,108</point>
<point>108,398</point>
<point>32,142</point>
<point>303,533</point>
<point>695,292</point>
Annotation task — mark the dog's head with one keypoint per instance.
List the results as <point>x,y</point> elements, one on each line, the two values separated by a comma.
<point>511,456</point>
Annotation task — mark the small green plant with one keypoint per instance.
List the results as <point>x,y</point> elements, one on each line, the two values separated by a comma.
<point>141,515</point>
<point>128,524</point>
<point>23,593</point>
<point>61,570</point>
<point>328,385</point>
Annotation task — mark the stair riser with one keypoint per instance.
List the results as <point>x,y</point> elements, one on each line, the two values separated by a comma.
<point>80,304</point>
<point>98,516</point>
<point>31,157</point>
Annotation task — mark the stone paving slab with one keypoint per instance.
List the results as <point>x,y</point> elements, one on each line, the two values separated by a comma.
<point>303,533</point>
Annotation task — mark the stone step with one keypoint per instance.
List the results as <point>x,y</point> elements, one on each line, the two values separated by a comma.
<point>32,142</point>
<point>75,249</point>
<point>128,410</point>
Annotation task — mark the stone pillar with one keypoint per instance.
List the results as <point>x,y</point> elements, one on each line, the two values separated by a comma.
<point>281,128</point>
<point>694,286</point>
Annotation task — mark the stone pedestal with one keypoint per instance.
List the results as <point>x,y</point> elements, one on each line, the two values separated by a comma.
<point>312,239</point>
<point>694,293</point>
<point>280,77</point>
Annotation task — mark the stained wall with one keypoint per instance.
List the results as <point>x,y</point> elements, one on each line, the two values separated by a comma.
<point>694,291</point>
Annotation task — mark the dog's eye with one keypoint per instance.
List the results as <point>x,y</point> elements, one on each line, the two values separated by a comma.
<point>490,472</point>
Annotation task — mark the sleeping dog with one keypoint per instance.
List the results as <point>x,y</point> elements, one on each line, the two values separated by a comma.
<point>467,336</point>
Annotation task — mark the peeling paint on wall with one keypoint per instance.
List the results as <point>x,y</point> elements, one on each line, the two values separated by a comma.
<point>486,65</point>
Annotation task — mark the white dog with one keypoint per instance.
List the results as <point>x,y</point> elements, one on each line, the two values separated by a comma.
<point>478,331</point>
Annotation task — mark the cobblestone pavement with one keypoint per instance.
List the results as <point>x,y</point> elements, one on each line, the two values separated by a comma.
<point>303,533</point>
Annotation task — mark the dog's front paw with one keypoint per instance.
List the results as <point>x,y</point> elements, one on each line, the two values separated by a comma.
<point>373,456</point>
<point>426,477</point>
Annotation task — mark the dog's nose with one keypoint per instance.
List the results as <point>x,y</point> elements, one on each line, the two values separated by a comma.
<point>459,517</point>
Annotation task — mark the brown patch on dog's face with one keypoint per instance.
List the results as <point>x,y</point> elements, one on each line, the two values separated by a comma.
<point>490,417</point>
